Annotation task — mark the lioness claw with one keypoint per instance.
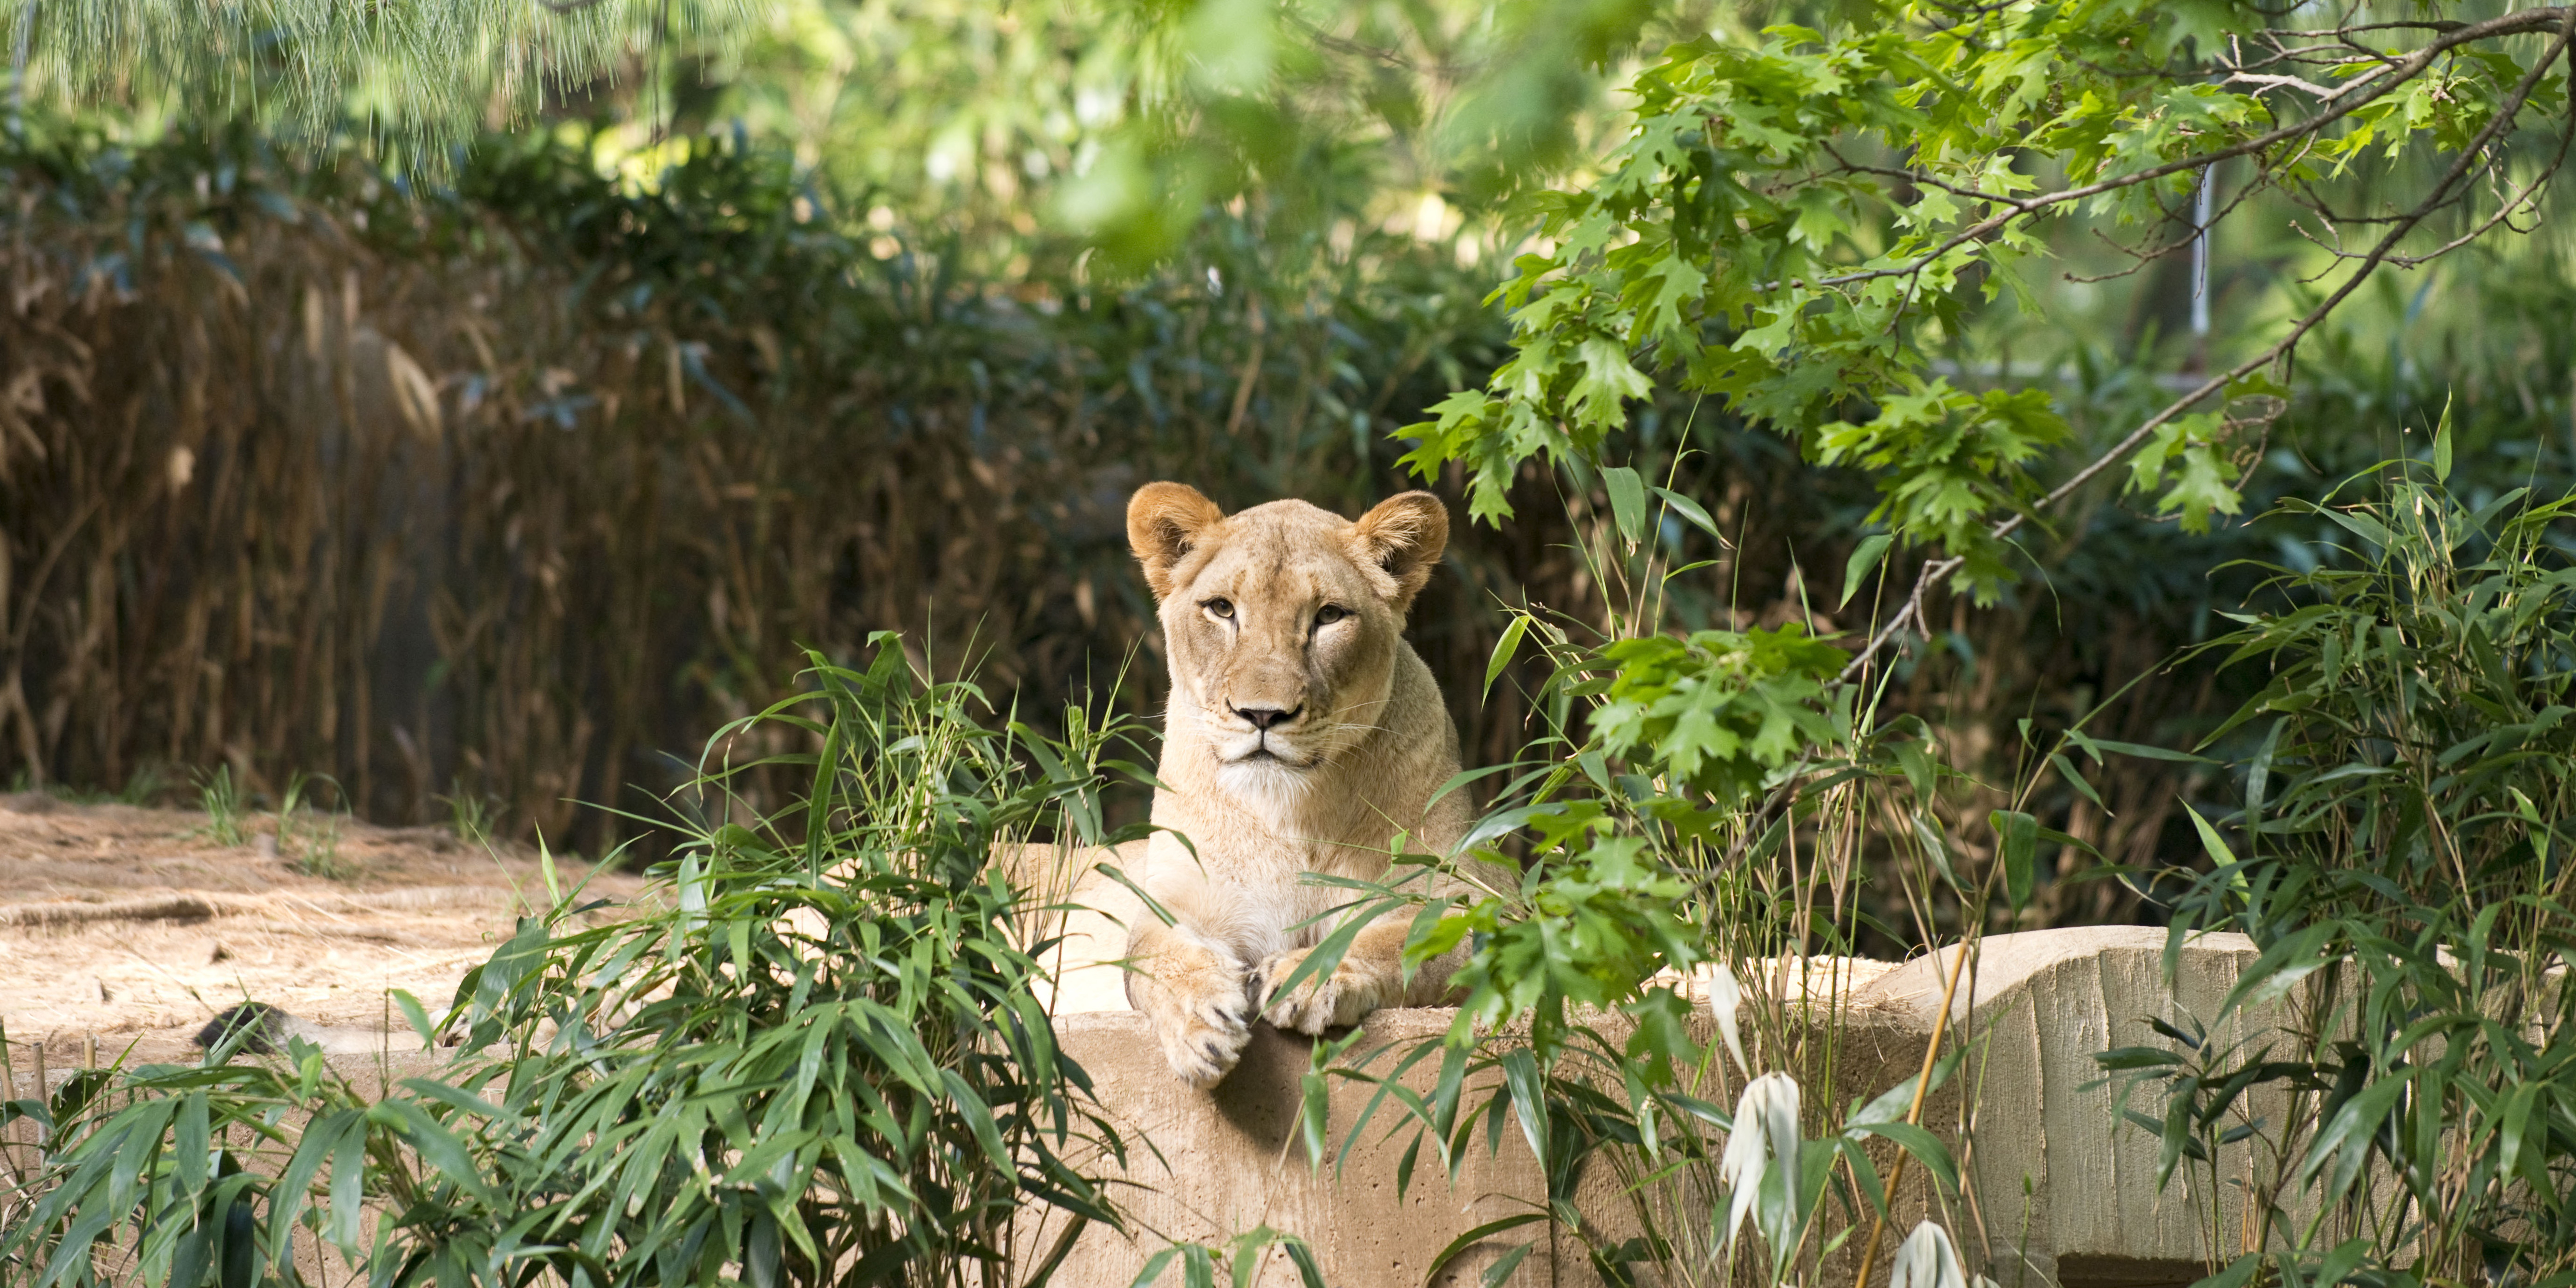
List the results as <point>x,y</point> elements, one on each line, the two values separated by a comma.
<point>1336,999</point>
<point>1207,1039</point>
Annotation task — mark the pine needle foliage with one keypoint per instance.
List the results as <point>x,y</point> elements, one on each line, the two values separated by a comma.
<point>815,1058</point>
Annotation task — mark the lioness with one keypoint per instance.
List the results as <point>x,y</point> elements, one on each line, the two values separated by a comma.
<point>1303,736</point>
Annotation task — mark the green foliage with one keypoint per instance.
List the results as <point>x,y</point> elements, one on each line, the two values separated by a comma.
<point>1721,711</point>
<point>816,1053</point>
<point>1241,1256</point>
<point>1126,125</point>
<point>319,853</point>
<point>220,798</point>
<point>2400,861</point>
<point>1593,920</point>
<point>311,838</point>
<point>1333,109</point>
<point>1607,897</point>
<point>1656,746</point>
<point>1809,227</point>
<point>1695,1176</point>
<point>1799,225</point>
<point>1697,806</point>
<point>956,118</point>
<point>469,816</point>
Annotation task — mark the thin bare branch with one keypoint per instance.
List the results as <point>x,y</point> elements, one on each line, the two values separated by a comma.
<point>2382,252</point>
<point>2379,84</point>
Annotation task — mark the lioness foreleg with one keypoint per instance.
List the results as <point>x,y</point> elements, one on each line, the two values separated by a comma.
<point>1192,991</point>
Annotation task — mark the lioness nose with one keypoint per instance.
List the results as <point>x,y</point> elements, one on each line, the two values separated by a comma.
<point>1264,717</point>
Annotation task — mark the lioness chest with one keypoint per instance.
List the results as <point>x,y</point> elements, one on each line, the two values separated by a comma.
<point>1260,898</point>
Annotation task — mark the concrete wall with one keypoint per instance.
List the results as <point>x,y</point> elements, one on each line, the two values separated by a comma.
<point>2057,1192</point>
<point>2056,1179</point>
<point>1234,1158</point>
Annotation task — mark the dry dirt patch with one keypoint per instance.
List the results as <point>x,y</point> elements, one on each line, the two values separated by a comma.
<point>131,927</point>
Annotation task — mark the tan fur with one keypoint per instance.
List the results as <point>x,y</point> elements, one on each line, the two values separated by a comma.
<point>1361,743</point>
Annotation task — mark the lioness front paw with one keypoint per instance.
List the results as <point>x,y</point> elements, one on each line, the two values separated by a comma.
<point>1203,1018</point>
<point>1339,998</point>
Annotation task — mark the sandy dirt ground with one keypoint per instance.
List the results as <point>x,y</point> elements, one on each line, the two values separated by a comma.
<point>124,930</point>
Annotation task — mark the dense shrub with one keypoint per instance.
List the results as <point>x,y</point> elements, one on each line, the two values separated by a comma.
<point>2398,852</point>
<point>814,1054</point>
<point>507,489</point>
<point>504,490</point>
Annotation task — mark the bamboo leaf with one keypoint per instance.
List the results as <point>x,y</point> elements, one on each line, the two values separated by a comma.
<point>1926,1148</point>
<point>1627,501</point>
<point>1864,560</point>
<point>1505,649</point>
<point>1474,1235</point>
<point>2017,843</point>
<point>1693,511</point>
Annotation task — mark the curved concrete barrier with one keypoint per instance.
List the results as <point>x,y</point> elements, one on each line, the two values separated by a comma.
<point>2061,1190</point>
<point>2057,1190</point>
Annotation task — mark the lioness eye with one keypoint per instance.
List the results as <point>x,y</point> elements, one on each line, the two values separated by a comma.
<point>1221,607</point>
<point>1330,613</point>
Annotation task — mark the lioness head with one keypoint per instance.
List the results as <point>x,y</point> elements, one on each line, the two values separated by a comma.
<point>1283,623</point>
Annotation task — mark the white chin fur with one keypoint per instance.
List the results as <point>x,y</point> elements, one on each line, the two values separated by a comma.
<point>1271,788</point>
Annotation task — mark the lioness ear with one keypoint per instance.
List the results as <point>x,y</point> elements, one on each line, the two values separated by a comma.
<point>1404,535</point>
<point>1164,523</point>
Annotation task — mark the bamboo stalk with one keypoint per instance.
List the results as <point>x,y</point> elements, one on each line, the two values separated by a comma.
<point>1914,1112</point>
<point>8,1092</point>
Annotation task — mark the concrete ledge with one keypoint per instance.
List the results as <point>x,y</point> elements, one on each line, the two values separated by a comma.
<point>2057,1191</point>
<point>2059,1180</point>
<point>1234,1158</point>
